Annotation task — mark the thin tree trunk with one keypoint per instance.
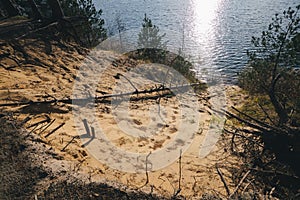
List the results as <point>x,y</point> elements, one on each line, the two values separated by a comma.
<point>35,11</point>
<point>10,8</point>
<point>57,12</point>
<point>279,109</point>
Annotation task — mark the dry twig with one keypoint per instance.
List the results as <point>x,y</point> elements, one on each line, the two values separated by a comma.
<point>239,184</point>
<point>146,171</point>
<point>180,174</point>
<point>55,129</point>
<point>74,137</point>
<point>223,180</point>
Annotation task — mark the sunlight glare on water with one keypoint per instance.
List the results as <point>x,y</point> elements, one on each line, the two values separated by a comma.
<point>202,18</point>
<point>204,14</point>
<point>216,32</point>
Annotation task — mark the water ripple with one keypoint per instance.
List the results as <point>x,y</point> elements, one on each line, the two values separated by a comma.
<point>221,30</point>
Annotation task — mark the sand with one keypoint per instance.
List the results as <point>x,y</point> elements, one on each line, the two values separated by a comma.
<point>125,142</point>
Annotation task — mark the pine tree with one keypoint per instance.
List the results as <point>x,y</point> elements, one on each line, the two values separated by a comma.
<point>92,31</point>
<point>272,63</point>
<point>149,36</point>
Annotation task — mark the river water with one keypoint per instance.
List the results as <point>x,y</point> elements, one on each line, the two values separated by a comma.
<point>216,34</point>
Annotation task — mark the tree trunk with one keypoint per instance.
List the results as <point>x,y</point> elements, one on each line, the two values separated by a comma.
<point>10,8</point>
<point>35,11</point>
<point>57,12</point>
<point>279,109</point>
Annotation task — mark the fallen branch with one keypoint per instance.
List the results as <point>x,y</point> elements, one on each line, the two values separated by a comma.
<point>12,29</point>
<point>246,186</point>
<point>223,180</point>
<point>74,137</point>
<point>100,99</point>
<point>245,137</point>
<point>47,126</point>
<point>259,122</point>
<point>37,30</point>
<point>40,122</point>
<point>55,129</point>
<point>24,121</point>
<point>239,184</point>
<point>250,124</point>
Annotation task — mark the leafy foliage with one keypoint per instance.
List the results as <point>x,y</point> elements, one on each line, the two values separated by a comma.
<point>279,43</point>
<point>26,10</point>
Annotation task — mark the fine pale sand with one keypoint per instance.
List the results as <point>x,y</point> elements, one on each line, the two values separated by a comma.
<point>127,140</point>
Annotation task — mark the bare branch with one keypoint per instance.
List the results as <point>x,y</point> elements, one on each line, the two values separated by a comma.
<point>74,137</point>
<point>239,184</point>
<point>180,174</point>
<point>55,129</point>
<point>223,180</point>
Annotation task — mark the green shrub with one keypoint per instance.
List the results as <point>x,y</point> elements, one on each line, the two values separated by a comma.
<point>273,63</point>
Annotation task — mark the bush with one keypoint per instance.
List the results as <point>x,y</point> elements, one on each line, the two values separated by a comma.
<point>272,68</point>
<point>273,78</point>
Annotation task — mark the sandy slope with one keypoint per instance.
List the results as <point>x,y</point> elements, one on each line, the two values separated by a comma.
<point>58,70</point>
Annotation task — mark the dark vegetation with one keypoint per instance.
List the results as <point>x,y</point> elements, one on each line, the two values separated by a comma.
<point>74,20</point>
<point>269,122</point>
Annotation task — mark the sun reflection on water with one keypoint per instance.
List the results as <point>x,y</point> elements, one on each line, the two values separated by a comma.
<point>202,24</point>
<point>204,14</point>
